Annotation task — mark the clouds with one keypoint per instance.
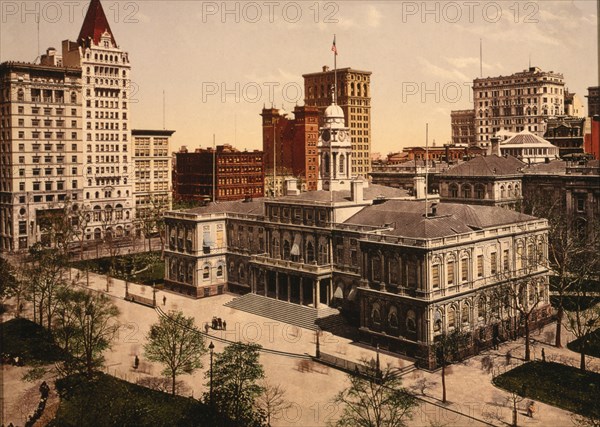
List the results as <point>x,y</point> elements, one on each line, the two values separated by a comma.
<point>444,73</point>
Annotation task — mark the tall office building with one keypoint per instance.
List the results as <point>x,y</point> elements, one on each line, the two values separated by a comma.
<point>354,96</point>
<point>108,169</point>
<point>593,101</point>
<point>40,147</point>
<point>463,127</point>
<point>521,101</point>
<point>153,172</point>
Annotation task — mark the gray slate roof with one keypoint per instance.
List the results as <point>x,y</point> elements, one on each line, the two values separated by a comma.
<point>493,165</point>
<point>408,220</point>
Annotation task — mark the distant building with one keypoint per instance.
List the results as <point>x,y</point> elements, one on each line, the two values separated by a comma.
<point>519,102</point>
<point>593,101</point>
<point>406,175</point>
<point>354,96</point>
<point>445,153</point>
<point>153,170</point>
<point>292,141</point>
<point>566,133</point>
<point>462,123</point>
<point>592,137</point>
<point>234,174</point>
<point>42,154</point>
<point>490,180</point>
<point>574,105</point>
<point>529,148</point>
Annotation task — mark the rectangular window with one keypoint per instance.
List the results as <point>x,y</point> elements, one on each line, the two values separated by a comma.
<point>493,262</point>
<point>479,265</point>
<point>435,276</point>
<point>450,272</point>
<point>464,269</point>
<point>505,264</point>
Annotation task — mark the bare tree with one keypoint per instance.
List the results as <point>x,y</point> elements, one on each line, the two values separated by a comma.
<point>375,398</point>
<point>583,320</point>
<point>272,401</point>
<point>447,348</point>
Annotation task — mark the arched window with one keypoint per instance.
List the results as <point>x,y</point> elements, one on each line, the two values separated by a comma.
<point>411,321</point>
<point>323,255</point>
<point>206,272</point>
<point>465,315</point>
<point>73,98</point>
<point>453,191</point>
<point>275,247</point>
<point>286,249</point>
<point>220,271</point>
<point>479,191</point>
<point>466,191</point>
<point>393,317</point>
<point>326,161</point>
<point>451,317</point>
<point>437,321</point>
<point>376,314</point>
<point>20,95</point>
<point>481,307</point>
<point>310,252</point>
<point>342,158</point>
<point>502,192</point>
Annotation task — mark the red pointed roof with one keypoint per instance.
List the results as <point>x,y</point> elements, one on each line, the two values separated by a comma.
<point>95,24</point>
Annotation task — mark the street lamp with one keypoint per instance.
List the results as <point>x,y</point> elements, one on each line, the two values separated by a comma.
<point>211,347</point>
<point>377,364</point>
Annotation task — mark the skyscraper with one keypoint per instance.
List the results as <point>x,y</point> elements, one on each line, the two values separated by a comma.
<point>108,169</point>
<point>354,97</point>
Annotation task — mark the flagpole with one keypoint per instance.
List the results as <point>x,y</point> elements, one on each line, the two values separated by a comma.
<point>334,71</point>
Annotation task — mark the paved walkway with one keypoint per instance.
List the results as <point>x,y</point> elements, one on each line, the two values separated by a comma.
<point>310,386</point>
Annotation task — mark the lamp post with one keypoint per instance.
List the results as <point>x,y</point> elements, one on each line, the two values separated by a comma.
<point>211,347</point>
<point>377,364</point>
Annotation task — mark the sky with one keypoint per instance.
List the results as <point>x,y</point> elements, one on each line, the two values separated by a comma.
<point>219,62</point>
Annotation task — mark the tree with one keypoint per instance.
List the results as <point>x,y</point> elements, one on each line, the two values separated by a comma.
<point>235,383</point>
<point>9,282</point>
<point>151,220</point>
<point>272,401</point>
<point>583,320</point>
<point>447,347</point>
<point>46,275</point>
<point>176,343</point>
<point>94,322</point>
<point>375,398</point>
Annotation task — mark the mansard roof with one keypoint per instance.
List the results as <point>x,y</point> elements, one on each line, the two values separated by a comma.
<point>493,165</point>
<point>407,218</point>
<point>95,24</point>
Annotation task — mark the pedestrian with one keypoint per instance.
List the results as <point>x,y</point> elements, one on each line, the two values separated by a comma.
<point>164,300</point>
<point>220,322</point>
<point>136,362</point>
<point>530,409</point>
<point>206,327</point>
<point>214,322</point>
<point>224,325</point>
<point>543,355</point>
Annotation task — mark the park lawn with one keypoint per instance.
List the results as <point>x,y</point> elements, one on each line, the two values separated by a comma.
<point>154,275</point>
<point>103,400</point>
<point>555,384</point>
<point>29,341</point>
<point>592,347</point>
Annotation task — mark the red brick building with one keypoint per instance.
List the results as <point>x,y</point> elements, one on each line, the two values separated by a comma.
<point>237,174</point>
<point>292,141</point>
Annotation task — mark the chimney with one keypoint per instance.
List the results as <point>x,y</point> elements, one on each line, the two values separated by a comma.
<point>495,145</point>
<point>420,190</point>
<point>291,187</point>
<point>356,191</point>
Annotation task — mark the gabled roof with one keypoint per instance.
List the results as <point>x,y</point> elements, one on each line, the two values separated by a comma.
<point>493,165</point>
<point>95,24</point>
<point>407,218</point>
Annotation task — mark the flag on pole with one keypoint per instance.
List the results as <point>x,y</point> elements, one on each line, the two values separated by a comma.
<point>334,48</point>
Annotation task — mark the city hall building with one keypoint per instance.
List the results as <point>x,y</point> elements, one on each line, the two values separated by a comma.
<point>404,269</point>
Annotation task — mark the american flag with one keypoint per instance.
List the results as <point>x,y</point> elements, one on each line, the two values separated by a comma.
<point>334,48</point>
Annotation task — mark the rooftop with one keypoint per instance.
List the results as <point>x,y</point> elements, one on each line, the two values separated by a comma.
<point>493,165</point>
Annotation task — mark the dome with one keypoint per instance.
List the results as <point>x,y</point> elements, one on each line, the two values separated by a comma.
<point>334,111</point>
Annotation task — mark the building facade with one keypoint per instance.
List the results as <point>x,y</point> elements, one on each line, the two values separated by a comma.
<point>462,123</point>
<point>290,144</point>
<point>108,163</point>
<point>152,164</point>
<point>354,97</point>
<point>220,174</point>
<point>529,147</point>
<point>41,148</point>
<point>566,133</point>
<point>593,101</point>
<point>521,101</point>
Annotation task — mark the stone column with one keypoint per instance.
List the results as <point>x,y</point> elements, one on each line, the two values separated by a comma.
<point>276,285</point>
<point>316,293</point>
<point>301,290</point>
<point>266,282</point>
<point>289,288</point>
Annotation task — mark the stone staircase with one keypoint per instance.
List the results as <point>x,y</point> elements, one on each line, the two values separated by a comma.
<point>281,311</point>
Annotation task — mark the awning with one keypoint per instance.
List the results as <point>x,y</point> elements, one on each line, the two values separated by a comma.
<point>339,293</point>
<point>296,246</point>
